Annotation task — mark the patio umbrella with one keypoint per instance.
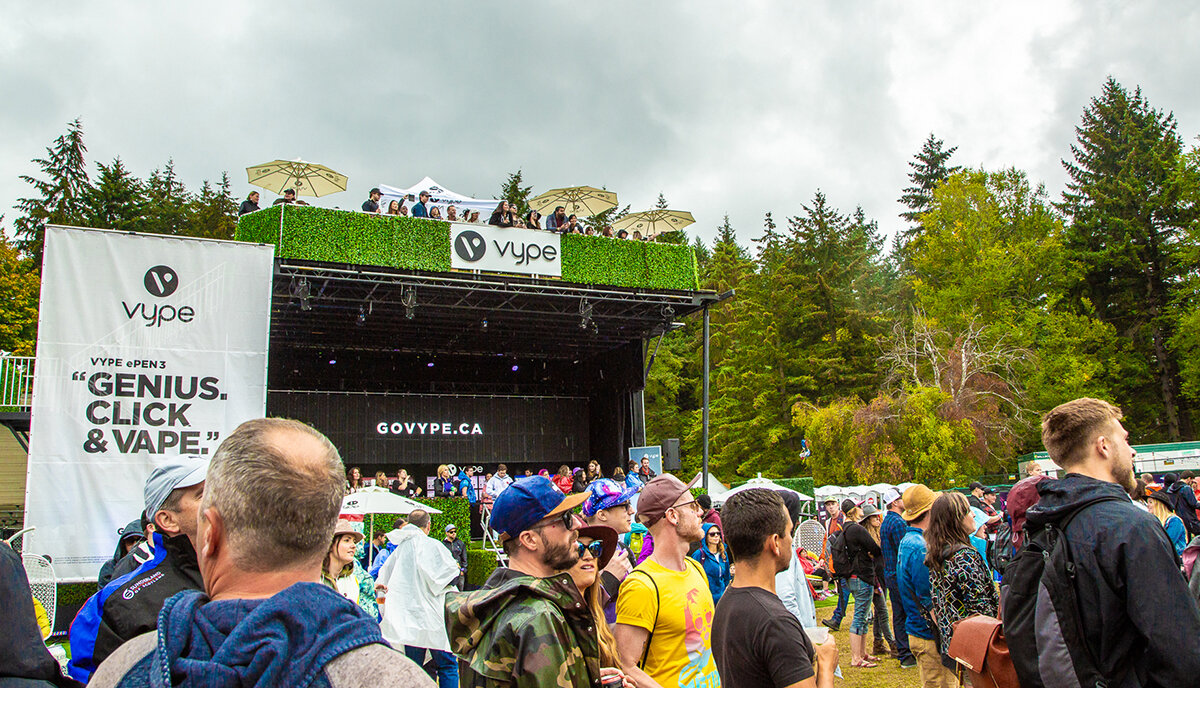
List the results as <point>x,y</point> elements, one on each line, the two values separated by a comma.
<point>577,200</point>
<point>654,222</point>
<point>305,178</point>
<point>374,499</point>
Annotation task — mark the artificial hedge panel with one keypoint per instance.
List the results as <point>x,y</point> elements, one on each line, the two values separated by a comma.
<point>480,565</point>
<point>800,485</point>
<point>317,234</point>
<point>454,510</point>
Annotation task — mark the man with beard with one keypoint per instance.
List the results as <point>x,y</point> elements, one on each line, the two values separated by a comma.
<point>665,608</point>
<point>529,627</point>
<point>1138,622</point>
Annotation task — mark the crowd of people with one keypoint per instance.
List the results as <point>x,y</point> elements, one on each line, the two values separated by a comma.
<point>504,215</point>
<point>249,577</point>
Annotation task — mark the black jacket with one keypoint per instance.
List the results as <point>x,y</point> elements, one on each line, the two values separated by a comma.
<point>863,552</point>
<point>133,529</point>
<point>458,550</point>
<point>132,609</point>
<point>1141,625</point>
<point>24,660</point>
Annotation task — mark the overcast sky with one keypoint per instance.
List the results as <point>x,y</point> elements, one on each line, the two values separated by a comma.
<point>735,108</point>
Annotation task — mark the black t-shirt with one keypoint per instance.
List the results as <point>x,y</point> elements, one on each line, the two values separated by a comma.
<point>370,206</point>
<point>757,643</point>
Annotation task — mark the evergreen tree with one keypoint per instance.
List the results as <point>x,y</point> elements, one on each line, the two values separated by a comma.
<point>212,213</point>
<point>1128,212</point>
<point>605,218</point>
<point>514,193</point>
<point>929,169</point>
<point>60,192</point>
<point>167,202</point>
<point>116,201</point>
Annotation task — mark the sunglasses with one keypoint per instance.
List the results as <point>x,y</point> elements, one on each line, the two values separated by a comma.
<point>692,505</point>
<point>566,518</point>
<point>595,548</point>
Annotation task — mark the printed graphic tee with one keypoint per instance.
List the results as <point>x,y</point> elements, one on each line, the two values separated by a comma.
<point>680,653</point>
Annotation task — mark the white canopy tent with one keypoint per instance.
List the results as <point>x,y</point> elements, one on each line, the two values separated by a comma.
<point>756,482</point>
<point>872,494</point>
<point>438,195</point>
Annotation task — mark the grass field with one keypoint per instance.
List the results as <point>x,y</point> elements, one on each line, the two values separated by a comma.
<point>888,674</point>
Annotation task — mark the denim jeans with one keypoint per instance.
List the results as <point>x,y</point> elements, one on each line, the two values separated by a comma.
<point>899,619</point>
<point>446,662</point>
<point>839,612</point>
<point>880,622</point>
<point>862,593</point>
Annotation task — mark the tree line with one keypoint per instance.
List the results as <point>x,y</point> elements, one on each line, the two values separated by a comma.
<point>930,357</point>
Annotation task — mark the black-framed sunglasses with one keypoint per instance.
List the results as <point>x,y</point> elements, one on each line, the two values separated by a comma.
<point>566,518</point>
<point>595,547</point>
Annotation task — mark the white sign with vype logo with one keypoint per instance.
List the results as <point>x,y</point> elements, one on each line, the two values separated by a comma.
<point>481,247</point>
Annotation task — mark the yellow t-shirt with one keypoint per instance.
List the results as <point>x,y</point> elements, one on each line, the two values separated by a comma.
<point>680,653</point>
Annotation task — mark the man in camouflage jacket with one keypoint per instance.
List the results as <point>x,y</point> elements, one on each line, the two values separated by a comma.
<point>529,627</point>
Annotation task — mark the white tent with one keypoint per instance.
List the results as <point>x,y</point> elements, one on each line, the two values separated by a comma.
<point>756,482</point>
<point>438,195</point>
<point>872,494</point>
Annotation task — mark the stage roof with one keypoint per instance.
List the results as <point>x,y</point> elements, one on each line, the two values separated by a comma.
<point>338,307</point>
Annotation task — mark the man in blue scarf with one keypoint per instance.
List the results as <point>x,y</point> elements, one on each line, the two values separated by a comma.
<point>266,522</point>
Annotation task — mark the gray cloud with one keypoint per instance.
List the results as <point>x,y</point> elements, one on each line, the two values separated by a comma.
<point>725,108</point>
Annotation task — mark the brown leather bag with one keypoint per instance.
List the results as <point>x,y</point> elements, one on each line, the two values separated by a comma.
<point>979,648</point>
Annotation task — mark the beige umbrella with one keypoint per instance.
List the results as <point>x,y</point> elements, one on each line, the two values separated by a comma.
<point>305,178</point>
<point>577,200</point>
<point>654,222</point>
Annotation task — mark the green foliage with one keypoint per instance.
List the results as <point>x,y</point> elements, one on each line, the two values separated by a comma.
<point>454,510</point>
<point>929,170</point>
<point>480,565</point>
<point>61,191</point>
<point>513,192</point>
<point>20,285</point>
<point>77,593</point>
<point>117,200</point>
<point>800,485</point>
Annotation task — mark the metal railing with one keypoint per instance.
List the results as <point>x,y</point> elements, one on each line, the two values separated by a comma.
<point>16,381</point>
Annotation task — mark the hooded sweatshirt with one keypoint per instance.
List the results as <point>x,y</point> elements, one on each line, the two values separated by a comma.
<point>1139,622</point>
<point>288,640</point>
<point>526,632</point>
<point>132,530</point>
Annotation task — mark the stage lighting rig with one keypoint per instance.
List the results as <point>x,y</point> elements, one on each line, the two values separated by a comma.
<point>585,314</point>
<point>409,301</point>
<point>304,294</point>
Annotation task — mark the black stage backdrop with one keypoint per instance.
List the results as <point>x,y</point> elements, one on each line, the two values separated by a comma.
<point>434,429</point>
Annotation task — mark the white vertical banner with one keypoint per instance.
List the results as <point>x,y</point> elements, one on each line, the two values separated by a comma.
<point>148,347</point>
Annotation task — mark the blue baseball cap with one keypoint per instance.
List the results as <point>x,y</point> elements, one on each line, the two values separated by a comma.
<point>181,471</point>
<point>604,494</point>
<point>527,501</point>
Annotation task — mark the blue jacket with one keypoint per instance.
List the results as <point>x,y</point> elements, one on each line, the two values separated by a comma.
<point>129,605</point>
<point>891,532</point>
<point>716,568</point>
<point>380,559</point>
<point>1177,533</point>
<point>283,641</point>
<point>912,577</point>
<point>464,484</point>
<point>419,209</point>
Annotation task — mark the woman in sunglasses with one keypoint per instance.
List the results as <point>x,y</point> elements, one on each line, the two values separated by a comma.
<point>596,546</point>
<point>713,558</point>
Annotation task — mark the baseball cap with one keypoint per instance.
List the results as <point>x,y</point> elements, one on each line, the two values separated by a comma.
<point>917,499</point>
<point>450,527</point>
<point>848,505</point>
<point>375,190</point>
<point>974,485</point>
<point>179,472</point>
<point>658,496</point>
<point>890,496</point>
<point>289,191</point>
<point>604,494</point>
<point>527,501</point>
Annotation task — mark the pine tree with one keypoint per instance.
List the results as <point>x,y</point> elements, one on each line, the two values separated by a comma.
<point>61,192</point>
<point>168,202</point>
<point>514,193</point>
<point>212,213</point>
<point>116,201</point>
<point>929,170</point>
<point>1128,209</point>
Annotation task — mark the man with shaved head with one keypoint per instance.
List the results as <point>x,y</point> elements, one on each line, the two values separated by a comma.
<point>270,504</point>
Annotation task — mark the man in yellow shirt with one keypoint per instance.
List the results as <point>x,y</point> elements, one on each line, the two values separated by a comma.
<point>665,609</point>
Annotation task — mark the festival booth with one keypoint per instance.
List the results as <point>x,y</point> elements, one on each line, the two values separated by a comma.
<point>438,195</point>
<point>872,494</point>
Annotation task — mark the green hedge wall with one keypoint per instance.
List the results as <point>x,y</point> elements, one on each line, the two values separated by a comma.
<point>318,234</point>
<point>454,510</point>
<point>480,565</point>
<point>800,485</point>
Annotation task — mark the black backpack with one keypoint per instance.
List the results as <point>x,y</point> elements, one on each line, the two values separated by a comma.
<point>839,553</point>
<point>1042,623</point>
<point>1000,552</point>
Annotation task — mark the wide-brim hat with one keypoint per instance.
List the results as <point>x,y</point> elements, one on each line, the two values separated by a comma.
<point>868,510</point>
<point>606,535</point>
<point>344,527</point>
<point>917,500</point>
<point>1163,498</point>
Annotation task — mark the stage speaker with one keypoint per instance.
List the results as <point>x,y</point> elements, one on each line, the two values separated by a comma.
<point>670,454</point>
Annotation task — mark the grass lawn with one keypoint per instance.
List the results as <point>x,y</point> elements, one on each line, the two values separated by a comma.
<point>888,674</point>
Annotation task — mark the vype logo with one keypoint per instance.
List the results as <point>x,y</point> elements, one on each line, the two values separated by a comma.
<point>161,281</point>
<point>470,246</point>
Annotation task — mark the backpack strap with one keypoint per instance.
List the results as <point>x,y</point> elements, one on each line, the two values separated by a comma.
<point>657,603</point>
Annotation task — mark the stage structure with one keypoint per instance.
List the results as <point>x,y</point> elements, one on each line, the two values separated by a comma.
<point>380,338</point>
